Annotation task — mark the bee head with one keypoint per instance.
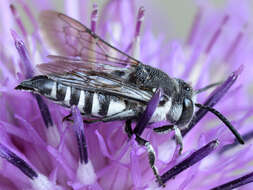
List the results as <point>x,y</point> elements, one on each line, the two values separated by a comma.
<point>183,103</point>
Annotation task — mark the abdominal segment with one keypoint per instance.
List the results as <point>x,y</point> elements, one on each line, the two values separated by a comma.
<point>89,103</point>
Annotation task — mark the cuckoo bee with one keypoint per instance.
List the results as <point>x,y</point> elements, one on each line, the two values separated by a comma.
<point>105,83</point>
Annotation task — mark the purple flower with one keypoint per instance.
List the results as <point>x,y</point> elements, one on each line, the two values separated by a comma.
<point>40,151</point>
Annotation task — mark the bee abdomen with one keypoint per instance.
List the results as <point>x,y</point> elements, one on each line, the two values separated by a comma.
<point>98,104</point>
<point>89,103</point>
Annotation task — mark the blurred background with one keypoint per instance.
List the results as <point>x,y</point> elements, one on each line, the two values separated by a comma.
<point>172,18</point>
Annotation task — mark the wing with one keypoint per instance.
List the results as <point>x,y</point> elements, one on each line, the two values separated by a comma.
<point>94,80</point>
<point>71,38</point>
<point>86,61</point>
<point>61,65</point>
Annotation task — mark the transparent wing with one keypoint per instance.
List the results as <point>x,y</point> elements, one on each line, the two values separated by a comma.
<point>86,61</point>
<point>61,65</point>
<point>99,82</point>
<point>71,38</point>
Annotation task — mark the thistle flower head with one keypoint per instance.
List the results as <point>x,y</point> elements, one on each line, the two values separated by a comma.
<point>38,150</point>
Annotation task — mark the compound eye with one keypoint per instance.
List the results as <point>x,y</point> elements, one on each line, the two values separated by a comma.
<point>187,113</point>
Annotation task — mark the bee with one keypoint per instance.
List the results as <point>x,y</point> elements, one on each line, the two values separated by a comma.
<point>107,84</point>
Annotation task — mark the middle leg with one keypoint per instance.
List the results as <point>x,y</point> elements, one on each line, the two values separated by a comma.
<point>148,147</point>
<point>178,135</point>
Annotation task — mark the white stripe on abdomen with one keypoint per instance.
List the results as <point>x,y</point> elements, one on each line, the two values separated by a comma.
<point>81,101</point>
<point>95,105</point>
<point>116,107</point>
<point>54,91</point>
<point>67,96</point>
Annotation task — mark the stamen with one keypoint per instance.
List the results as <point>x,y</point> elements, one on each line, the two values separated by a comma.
<point>147,114</point>
<point>190,161</point>
<point>44,110</point>
<point>38,181</point>
<point>235,44</point>
<point>194,26</point>
<point>60,158</point>
<point>31,132</point>
<point>79,130</point>
<point>140,19</point>
<point>216,35</point>
<point>214,97</point>
<point>136,42</point>
<point>42,182</point>
<point>34,21</point>
<point>236,183</point>
<point>18,162</point>
<point>24,56</point>
<point>29,14</point>
<point>86,173</point>
<point>23,53</point>
<point>94,18</point>
<point>53,136</point>
<point>18,20</point>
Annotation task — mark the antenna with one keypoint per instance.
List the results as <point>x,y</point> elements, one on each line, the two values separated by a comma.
<point>224,120</point>
<point>207,87</point>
